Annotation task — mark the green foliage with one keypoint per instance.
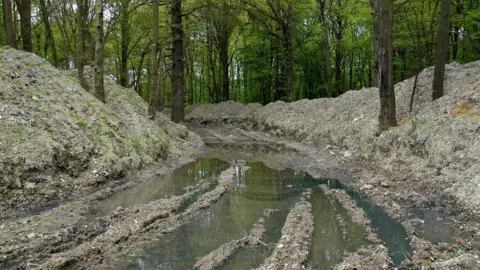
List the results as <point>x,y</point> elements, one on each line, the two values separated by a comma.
<point>137,144</point>
<point>82,123</point>
<point>255,46</point>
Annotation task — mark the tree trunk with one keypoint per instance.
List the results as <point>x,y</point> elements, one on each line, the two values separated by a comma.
<point>125,29</point>
<point>49,33</point>
<point>154,100</point>
<point>223,52</point>
<point>383,30</point>
<point>178,105</point>
<point>338,64</point>
<point>82,28</point>
<point>98,76</point>
<point>25,10</point>
<point>442,50</point>
<point>288,39</point>
<point>8,23</point>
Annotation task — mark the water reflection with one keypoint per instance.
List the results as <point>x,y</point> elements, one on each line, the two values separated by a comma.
<point>171,184</point>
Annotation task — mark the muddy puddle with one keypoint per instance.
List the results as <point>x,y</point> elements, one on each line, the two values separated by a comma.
<point>256,189</point>
<point>174,183</point>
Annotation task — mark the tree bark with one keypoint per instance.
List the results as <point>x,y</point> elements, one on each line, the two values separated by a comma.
<point>8,23</point>
<point>98,76</point>
<point>25,10</point>
<point>288,40</point>
<point>82,12</point>
<point>49,34</point>
<point>154,100</point>
<point>383,30</point>
<point>442,50</point>
<point>223,52</point>
<point>125,29</point>
<point>178,104</point>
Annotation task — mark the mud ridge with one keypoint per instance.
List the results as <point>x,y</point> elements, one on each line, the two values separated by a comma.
<point>219,256</point>
<point>140,225</point>
<point>291,252</point>
<point>372,257</point>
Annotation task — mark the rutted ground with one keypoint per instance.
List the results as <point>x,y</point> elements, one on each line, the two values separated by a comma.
<point>431,160</point>
<point>85,156</point>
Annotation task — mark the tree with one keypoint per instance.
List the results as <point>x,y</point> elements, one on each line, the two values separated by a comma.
<point>99,39</point>
<point>178,81</point>
<point>441,56</point>
<point>8,23</point>
<point>49,34</point>
<point>328,72</point>
<point>282,13</point>
<point>82,16</point>
<point>154,100</point>
<point>25,10</point>
<point>383,30</point>
<point>125,29</point>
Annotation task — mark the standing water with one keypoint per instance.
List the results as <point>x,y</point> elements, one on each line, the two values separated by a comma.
<point>233,216</point>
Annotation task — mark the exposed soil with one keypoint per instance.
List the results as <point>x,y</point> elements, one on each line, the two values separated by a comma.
<point>430,161</point>
<point>218,257</point>
<point>291,252</point>
<point>58,142</point>
<point>62,151</point>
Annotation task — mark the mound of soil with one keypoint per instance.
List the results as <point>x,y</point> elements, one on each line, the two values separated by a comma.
<point>435,149</point>
<point>56,138</point>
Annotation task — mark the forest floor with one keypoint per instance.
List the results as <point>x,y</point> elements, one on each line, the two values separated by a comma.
<point>62,152</point>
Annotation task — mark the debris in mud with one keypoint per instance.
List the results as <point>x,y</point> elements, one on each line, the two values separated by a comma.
<point>291,252</point>
<point>218,257</point>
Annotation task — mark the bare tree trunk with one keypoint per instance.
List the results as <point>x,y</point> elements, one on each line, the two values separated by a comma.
<point>25,10</point>
<point>125,29</point>
<point>288,39</point>
<point>82,12</point>
<point>223,52</point>
<point>178,103</point>
<point>49,33</point>
<point>154,100</point>
<point>442,50</point>
<point>383,30</point>
<point>98,76</point>
<point>8,23</point>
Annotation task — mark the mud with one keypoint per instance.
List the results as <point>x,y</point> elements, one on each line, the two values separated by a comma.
<point>141,224</point>
<point>374,256</point>
<point>291,252</point>
<point>218,257</point>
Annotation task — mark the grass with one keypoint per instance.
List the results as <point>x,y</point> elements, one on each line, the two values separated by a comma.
<point>463,108</point>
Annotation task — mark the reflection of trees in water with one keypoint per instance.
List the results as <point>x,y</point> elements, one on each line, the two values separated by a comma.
<point>263,183</point>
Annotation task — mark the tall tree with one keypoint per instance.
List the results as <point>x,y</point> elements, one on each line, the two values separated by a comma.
<point>8,23</point>
<point>283,14</point>
<point>154,100</point>
<point>383,31</point>
<point>178,81</point>
<point>25,10</point>
<point>82,16</point>
<point>125,29</point>
<point>328,68</point>
<point>99,39</point>
<point>442,50</point>
<point>48,30</point>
